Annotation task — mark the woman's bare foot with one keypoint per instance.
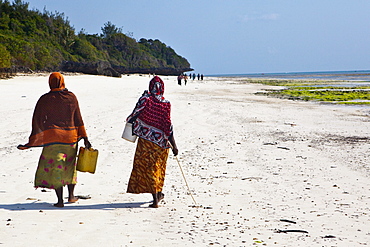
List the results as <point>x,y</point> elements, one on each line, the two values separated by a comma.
<point>160,196</point>
<point>71,196</point>
<point>59,205</point>
<point>153,205</point>
<point>73,199</point>
<point>155,200</point>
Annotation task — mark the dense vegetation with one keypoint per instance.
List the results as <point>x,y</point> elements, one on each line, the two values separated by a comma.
<point>45,41</point>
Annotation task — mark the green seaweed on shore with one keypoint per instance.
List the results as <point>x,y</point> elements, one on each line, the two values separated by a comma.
<point>309,91</point>
<point>327,95</point>
<point>330,87</point>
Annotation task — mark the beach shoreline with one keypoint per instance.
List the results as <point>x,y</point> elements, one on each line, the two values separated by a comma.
<point>256,166</point>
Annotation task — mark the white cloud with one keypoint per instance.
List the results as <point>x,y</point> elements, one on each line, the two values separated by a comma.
<point>270,17</point>
<point>272,50</point>
<point>263,17</point>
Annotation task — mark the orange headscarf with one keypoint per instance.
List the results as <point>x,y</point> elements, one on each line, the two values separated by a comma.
<point>57,118</point>
<point>56,82</point>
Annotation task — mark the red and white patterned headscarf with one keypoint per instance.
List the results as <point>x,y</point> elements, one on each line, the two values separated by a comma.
<point>156,88</point>
<point>151,117</point>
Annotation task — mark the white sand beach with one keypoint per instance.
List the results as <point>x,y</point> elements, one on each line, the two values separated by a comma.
<point>253,164</point>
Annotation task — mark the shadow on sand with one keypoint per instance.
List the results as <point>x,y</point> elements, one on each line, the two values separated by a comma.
<point>68,206</point>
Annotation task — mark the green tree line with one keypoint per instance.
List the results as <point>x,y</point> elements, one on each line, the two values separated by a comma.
<point>45,40</point>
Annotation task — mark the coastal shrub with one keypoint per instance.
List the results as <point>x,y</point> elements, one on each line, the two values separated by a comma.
<point>110,29</point>
<point>85,50</point>
<point>4,57</point>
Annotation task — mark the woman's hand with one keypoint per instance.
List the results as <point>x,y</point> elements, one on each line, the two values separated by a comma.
<point>175,151</point>
<point>87,143</point>
<point>173,145</point>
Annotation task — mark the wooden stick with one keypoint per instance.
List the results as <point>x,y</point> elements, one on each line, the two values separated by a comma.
<point>183,175</point>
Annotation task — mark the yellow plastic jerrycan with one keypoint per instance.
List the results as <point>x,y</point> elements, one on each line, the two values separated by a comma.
<point>87,159</point>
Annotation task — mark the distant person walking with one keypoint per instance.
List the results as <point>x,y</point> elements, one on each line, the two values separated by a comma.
<point>198,77</point>
<point>151,120</point>
<point>193,76</point>
<point>185,79</point>
<point>201,77</point>
<point>179,78</point>
<point>57,126</point>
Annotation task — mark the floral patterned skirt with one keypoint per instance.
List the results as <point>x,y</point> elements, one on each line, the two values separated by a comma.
<point>149,168</point>
<point>57,166</point>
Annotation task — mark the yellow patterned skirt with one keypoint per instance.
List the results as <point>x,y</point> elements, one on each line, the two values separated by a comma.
<point>149,168</point>
<point>57,166</point>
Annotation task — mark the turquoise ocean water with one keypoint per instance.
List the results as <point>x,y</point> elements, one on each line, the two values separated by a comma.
<point>354,76</point>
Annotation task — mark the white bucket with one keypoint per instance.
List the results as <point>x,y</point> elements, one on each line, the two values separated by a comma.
<point>127,133</point>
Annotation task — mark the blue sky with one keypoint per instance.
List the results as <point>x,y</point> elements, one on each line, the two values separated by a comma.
<point>238,36</point>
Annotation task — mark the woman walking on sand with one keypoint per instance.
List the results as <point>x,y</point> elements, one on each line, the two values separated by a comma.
<point>57,126</point>
<point>152,124</point>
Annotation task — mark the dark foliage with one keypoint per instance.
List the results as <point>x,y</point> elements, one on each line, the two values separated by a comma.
<point>46,41</point>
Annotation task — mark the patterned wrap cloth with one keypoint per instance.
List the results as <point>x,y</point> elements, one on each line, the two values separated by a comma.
<point>57,166</point>
<point>151,117</point>
<point>149,168</point>
<point>152,123</point>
